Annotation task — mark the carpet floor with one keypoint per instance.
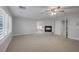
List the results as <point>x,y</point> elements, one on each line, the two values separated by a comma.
<point>43,42</point>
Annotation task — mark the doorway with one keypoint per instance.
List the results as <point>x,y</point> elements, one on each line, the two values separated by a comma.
<point>61,28</point>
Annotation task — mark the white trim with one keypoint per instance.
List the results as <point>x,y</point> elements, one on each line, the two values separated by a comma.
<point>74,38</point>
<point>5,42</point>
<point>23,34</point>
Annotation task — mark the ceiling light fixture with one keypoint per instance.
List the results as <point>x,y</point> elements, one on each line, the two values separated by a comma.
<point>53,13</point>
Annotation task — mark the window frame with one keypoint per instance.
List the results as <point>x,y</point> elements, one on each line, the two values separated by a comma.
<point>5,18</point>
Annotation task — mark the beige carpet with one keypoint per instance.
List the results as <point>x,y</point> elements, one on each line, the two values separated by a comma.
<point>45,42</point>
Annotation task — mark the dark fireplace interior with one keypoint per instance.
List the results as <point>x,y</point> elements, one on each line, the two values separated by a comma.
<point>48,28</point>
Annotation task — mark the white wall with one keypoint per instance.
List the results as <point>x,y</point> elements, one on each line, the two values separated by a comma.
<point>23,26</point>
<point>73,26</point>
<point>28,26</point>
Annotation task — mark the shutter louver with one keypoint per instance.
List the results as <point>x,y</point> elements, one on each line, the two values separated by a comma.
<point>1,25</point>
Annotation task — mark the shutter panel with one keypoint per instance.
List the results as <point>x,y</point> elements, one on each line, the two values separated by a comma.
<point>1,25</point>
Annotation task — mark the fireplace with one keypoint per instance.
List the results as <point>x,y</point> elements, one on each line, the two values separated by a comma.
<point>48,28</point>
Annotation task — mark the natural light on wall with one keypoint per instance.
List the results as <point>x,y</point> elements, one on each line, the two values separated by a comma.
<point>39,27</point>
<point>5,24</point>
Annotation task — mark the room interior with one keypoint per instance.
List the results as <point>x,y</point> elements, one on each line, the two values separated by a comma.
<point>39,28</point>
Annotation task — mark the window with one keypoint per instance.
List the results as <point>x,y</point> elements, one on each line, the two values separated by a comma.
<point>5,24</point>
<point>1,25</point>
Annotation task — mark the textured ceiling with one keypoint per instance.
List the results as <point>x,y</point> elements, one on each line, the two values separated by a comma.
<point>34,12</point>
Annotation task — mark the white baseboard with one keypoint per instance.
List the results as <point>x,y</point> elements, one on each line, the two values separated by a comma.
<point>30,33</point>
<point>24,34</point>
<point>74,38</point>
